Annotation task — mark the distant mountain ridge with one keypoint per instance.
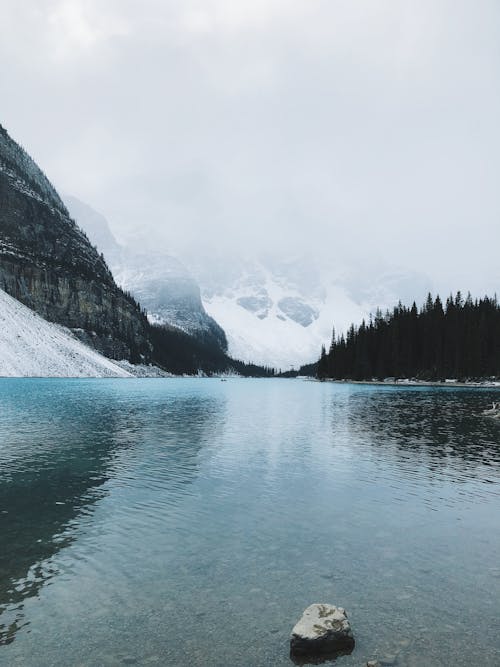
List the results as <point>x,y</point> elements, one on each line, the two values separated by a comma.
<point>160,282</point>
<point>279,311</point>
<point>276,312</point>
<point>48,263</point>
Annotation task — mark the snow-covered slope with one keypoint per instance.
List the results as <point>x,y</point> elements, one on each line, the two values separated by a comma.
<point>160,282</point>
<point>163,286</point>
<point>32,347</point>
<point>48,264</point>
<point>275,311</point>
<point>280,312</point>
<point>277,325</point>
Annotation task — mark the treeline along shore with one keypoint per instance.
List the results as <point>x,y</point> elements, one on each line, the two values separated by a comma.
<point>459,339</point>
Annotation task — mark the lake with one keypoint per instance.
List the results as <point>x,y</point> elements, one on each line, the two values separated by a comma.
<point>190,521</point>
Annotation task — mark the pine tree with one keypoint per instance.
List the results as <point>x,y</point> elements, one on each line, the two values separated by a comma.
<point>323,364</point>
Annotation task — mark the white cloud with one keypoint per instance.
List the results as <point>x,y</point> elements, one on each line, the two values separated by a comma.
<point>363,126</point>
<point>75,27</point>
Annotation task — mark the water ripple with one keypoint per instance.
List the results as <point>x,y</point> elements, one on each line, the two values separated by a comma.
<point>131,510</point>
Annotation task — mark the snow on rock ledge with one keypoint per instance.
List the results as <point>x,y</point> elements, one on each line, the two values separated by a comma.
<point>323,630</point>
<point>32,347</point>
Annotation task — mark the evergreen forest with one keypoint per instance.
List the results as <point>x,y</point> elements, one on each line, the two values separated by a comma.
<point>459,339</point>
<point>179,352</point>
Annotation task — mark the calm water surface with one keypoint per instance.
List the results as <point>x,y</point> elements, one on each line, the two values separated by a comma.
<point>189,522</point>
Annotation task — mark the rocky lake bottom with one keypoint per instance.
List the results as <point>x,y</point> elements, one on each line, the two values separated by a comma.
<point>191,521</point>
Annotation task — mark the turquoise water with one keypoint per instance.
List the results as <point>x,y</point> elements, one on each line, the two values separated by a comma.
<point>189,522</point>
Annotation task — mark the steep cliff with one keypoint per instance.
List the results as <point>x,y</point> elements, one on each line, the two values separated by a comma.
<point>48,263</point>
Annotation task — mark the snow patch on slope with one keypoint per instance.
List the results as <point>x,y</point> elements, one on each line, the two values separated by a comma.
<point>160,282</point>
<point>278,312</point>
<point>276,339</point>
<point>32,347</point>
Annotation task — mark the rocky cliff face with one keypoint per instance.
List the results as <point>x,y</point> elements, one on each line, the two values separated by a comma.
<point>48,263</point>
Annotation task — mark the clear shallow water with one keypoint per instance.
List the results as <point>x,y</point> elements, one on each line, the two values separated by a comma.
<point>189,522</point>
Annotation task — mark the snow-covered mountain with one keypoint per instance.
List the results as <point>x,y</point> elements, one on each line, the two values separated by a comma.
<point>274,312</point>
<point>160,282</point>
<point>32,347</point>
<point>48,264</point>
<point>280,312</point>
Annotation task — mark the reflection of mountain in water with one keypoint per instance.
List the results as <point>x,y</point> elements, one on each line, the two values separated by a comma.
<point>54,469</point>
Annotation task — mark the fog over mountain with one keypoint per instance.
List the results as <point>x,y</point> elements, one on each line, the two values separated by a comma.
<point>274,311</point>
<point>350,133</point>
<point>279,312</point>
<point>160,282</point>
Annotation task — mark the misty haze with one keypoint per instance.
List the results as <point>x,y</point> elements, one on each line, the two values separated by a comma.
<point>249,333</point>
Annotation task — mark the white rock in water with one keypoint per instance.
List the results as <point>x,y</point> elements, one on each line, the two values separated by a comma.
<point>322,629</point>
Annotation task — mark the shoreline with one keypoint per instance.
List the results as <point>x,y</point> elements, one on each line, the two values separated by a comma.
<point>494,384</point>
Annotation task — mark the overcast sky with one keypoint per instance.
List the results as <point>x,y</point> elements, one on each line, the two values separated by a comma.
<point>348,126</point>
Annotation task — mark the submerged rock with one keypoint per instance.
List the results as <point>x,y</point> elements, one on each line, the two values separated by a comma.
<point>323,630</point>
